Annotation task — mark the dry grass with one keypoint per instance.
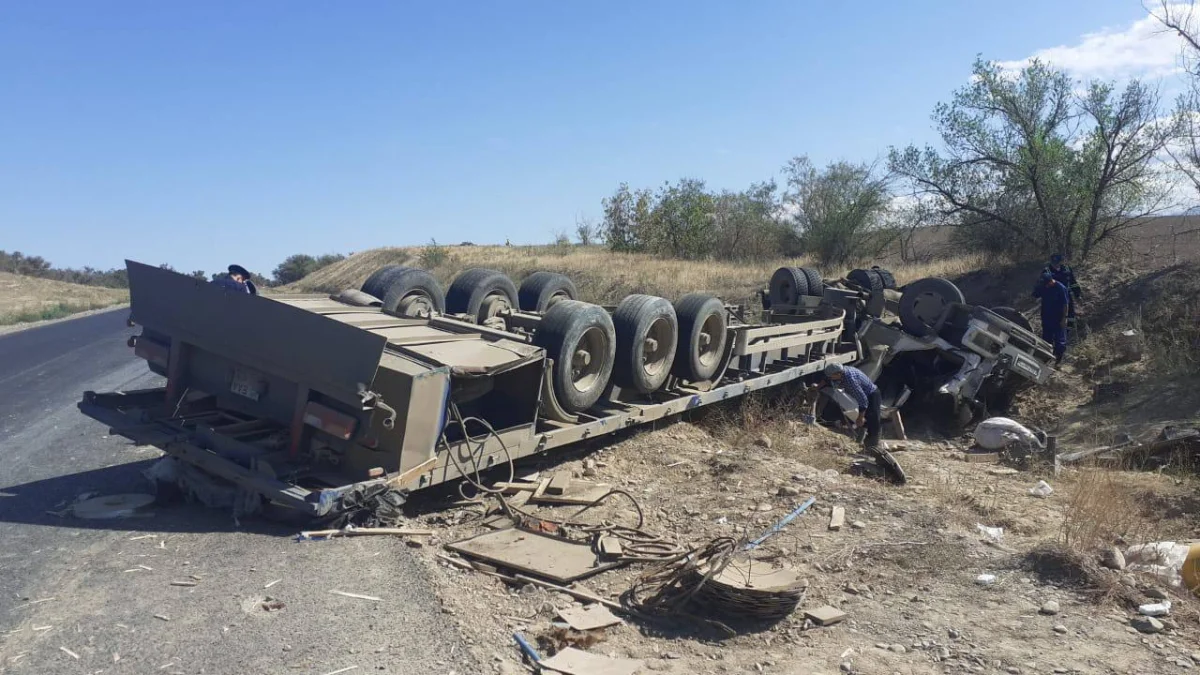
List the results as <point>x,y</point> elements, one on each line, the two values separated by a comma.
<point>600,275</point>
<point>25,299</point>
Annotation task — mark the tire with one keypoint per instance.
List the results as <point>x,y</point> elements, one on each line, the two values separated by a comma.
<point>923,302</point>
<point>414,293</point>
<point>571,326</point>
<point>647,334</point>
<point>377,284</point>
<point>788,284</point>
<point>816,285</point>
<point>540,290</point>
<point>885,277</point>
<point>867,280</point>
<point>480,293</point>
<point>701,336</point>
<point>1014,316</point>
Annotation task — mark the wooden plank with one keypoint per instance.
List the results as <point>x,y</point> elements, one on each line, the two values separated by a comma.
<point>589,618</point>
<point>573,661</point>
<point>610,547</point>
<point>552,558</point>
<point>838,518</point>
<point>579,492</point>
<point>559,483</point>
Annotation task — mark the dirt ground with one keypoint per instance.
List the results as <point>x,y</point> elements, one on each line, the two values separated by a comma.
<point>903,567</point>
<point>25,298</point>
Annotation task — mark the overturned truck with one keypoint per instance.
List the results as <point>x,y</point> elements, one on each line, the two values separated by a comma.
<point>314,404</point>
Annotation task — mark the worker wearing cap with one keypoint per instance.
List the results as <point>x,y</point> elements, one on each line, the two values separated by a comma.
<point>1056,303</point>
<point>864,392</point>
<point>238,280</point>
<point>1063,274</point>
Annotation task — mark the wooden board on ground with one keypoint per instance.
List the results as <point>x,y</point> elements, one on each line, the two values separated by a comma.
<point>559,483</point>
<point>578,492</point>
<point>538,555</point>
<point>589,618</point>
<point>838,518</point>
<point>576,662</point>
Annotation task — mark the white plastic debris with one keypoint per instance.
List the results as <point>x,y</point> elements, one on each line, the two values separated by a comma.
<point>1042,489</point>
<point>1156,609</point>
<point>1163,559</point>
<point>996,534</point>
<point>998,433</point>
<point>985,579</point>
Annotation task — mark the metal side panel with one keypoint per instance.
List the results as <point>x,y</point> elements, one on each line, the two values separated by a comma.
<point>324,354</point>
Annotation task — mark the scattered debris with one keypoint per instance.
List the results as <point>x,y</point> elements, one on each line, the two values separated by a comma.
<point>577,492</point>
<point>1155,609</point>
<point>527,649</point>
<point>272,605</point>
<point>162,617</point>
<point>271,583</point>
<point>35,602</point>
<point>590,617</point>
<point>825,615</point>
<point>781,524</point>
<point>1003,471</point>
<point>352,531</point>
<point>69,653</point>
<point>572,661</point>
<point>112,506</point>
<point>982,457</point>
<point>1042,489</point>
<point>837,518</point>
<point>985,579</point>
<point>995,534</point>
<point>184,583</point>
<point>554,558</point>
<point>342,670</point>
<point>1001,433</point>
<point>357,596</point>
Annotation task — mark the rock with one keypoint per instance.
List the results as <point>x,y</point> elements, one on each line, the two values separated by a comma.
<point>1147,624</point>
<point>926,625</point>
<point>1157,594</point>
<point>1183,663</point>
<point>672,655</point>
<point>589,468</point>
<point>858,525</point>
<point>943,653</point>
<point>788,491</point>
<point>1060,629</point>
<point>1013,670</point>
<point>764,507</point>
<point>764,441</point>
<point>897,648</point>
<point>1114,559</point>
<point>1002,471</point>
<point>847,667</point>
<point>1196,657</point>
<point>953,634</point>
<point>1049,608</point>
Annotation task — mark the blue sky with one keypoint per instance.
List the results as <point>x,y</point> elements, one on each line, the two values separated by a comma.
<point>206,133</point>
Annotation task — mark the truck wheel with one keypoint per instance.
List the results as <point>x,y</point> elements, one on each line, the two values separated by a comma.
<point>540,290</point>
<point>788,284</point>
<point>816,285</point>
<point>377,284</point>
<point>414,294</point>
<point>701,336</point>
<point>923,302</point>
<point>1013,316</point>
<point>867,280</point>
<point>581,340</point>
<point>647,332</point>
<point>885,277</point>
<point>481,293</point>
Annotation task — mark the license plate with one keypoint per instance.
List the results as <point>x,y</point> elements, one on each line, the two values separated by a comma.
<point>247,383</point>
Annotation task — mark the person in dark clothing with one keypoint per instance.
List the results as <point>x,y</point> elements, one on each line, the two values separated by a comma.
<point>1056,303</point>
<point>1063,274</point>
<point>238,280</point>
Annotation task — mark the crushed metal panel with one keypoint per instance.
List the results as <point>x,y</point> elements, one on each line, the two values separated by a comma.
<point>477,357</point>
<point>551,558</point>
<point>578,662</point>
<point>333,357</point>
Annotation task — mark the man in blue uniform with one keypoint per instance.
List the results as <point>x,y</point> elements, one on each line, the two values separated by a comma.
<point>237,281</point>
<point>1064,275</point>
<point>1056,303</point>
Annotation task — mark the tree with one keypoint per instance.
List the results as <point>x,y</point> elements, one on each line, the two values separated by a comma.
<point>1181,19</point>
<point>586,231</point>
<point>627,219</point>
<point>296,267</point>
<point>838,214</point>
<point>199,275</point>
<point>1029,165</point>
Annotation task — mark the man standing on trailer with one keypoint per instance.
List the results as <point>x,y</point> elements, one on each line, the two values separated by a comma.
<point>1056,303</point>
<point>238,280</point>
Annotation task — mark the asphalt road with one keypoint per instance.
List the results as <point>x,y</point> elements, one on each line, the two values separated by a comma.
<point>82,596</point>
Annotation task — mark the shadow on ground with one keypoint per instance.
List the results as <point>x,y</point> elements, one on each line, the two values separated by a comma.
<point>33,503</point>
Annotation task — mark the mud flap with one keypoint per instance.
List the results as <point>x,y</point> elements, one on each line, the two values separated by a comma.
<point>889,463</point>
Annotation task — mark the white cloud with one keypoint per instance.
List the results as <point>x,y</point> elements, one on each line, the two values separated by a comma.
<point>1143,49</point>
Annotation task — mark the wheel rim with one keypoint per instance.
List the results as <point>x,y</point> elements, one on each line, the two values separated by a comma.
<point>416,305</point>
<point>587,361</point>
<point>709,349</point>
<point>493,305</point>
<point>928,307</point>
<point>787,293</point>
<point>656,348</point>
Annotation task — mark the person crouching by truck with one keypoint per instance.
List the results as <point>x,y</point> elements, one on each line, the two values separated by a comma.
<point>870,412</point>
<point>1056,304</point>
<point>238,280</point>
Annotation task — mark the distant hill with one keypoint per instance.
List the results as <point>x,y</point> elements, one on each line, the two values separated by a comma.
<point>25,298</point>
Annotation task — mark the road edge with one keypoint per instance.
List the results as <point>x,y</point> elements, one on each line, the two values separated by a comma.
<point>18,327</point>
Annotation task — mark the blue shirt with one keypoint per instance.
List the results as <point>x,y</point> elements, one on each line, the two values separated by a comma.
<point>1054,301</point>
<point>860,387</point>
<point>231,284</point>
